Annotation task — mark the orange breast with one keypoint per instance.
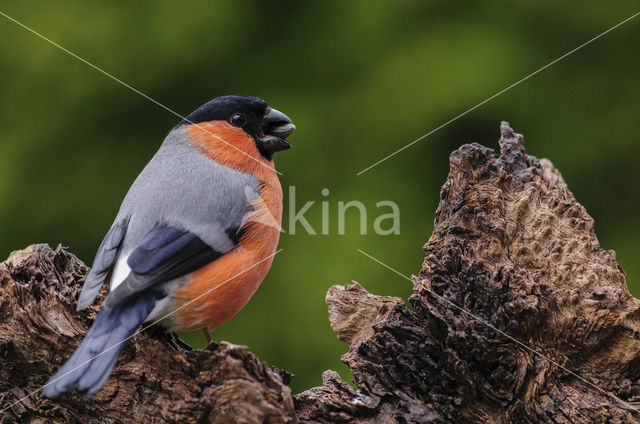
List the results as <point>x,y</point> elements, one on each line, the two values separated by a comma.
<point>232,147</point>
<point>229,282</point>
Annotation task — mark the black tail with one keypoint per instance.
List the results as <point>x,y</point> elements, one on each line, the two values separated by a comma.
<point>91,364</point>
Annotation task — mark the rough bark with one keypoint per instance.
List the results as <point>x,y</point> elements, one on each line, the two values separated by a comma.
<point>514,249</point>
<point>517,316</point>
<point>157,379</point>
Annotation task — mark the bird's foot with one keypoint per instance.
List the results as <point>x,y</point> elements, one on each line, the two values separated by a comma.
<point>207,335</point>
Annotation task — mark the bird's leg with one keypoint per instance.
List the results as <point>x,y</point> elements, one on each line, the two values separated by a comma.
<point>205,330</point>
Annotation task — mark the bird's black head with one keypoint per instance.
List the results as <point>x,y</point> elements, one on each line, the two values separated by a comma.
<point>268,127</point>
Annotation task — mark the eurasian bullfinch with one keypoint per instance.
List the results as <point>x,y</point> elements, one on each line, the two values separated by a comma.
<point>194,237</point>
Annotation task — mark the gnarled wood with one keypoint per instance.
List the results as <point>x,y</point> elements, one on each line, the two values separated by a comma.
<point>157,379</point>
<point>513,247</point>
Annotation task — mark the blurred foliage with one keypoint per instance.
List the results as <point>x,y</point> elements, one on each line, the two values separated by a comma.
<point>360,80</point>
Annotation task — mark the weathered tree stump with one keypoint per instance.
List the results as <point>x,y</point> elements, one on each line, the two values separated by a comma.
<point>517,316</point>
<point>158,378</point>
<point>512,247</point>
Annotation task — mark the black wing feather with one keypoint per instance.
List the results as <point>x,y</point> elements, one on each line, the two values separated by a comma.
<point>164,254</point>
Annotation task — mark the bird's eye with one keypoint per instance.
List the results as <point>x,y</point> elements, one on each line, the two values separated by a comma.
<point>237,120</point>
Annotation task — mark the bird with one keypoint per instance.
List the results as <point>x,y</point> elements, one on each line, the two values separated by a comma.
<point>194,238</point>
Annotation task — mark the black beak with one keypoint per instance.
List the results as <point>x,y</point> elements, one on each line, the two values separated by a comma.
<point>276,126</point>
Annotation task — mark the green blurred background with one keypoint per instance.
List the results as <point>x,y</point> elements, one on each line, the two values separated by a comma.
<point>360,79</point>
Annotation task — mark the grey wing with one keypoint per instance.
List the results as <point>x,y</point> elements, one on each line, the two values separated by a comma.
<point>166,253</point>
<point>103,263</point>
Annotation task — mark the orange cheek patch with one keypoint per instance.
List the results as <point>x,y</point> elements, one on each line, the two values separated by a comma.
<point>229,146</point>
